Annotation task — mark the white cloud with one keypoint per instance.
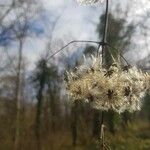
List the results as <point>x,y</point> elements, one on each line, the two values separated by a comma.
<point>76,22</point>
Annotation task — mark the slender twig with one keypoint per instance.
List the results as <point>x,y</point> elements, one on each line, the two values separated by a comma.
<point>11,61</point>
<point>7,11</point>
<point>119,54</point>
<point>82,41</point>
<point>75,41</point>
<point>106,145</point>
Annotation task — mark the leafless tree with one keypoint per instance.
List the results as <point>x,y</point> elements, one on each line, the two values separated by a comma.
<point>15,16</point>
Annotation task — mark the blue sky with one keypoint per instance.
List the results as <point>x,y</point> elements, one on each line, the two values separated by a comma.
<point>78,22</point>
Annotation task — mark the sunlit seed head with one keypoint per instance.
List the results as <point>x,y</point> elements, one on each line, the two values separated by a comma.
<point>120,91</point>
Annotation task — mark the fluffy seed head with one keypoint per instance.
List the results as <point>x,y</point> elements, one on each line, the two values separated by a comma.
<point>116,89</point>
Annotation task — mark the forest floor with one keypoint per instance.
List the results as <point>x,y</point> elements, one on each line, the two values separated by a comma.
<point>135,137</point>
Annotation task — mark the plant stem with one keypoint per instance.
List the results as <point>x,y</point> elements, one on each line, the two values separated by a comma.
<point>104,40</point>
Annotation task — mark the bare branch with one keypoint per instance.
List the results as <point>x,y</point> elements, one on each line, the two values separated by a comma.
<point>7,11</point>
<point>75,41</point>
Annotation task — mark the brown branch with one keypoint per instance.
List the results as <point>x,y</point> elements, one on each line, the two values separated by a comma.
<point>75,41</point>
<point>7,11</point>
<point>84,41</point>
<point>119,54</point>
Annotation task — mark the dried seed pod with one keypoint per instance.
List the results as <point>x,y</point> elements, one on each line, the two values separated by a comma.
<point>110,94</point>
<point>127,91</point>
<point>123,90</point>
<point>109,73</point>
<point>126,68</point>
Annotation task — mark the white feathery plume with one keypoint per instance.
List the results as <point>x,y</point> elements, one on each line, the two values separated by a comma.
<point>113,89</point>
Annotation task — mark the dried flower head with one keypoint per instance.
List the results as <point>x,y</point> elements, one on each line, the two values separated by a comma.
<point>116,89</point>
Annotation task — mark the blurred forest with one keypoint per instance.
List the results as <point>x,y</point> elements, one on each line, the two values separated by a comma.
<point>35,112</point>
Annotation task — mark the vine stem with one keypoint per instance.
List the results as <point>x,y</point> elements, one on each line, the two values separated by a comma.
<point>75,41</point>
<point>82,41</point>
<point>104,40</point>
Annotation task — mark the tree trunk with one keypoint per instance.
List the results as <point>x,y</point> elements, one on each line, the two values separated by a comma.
<point>111,123</point>
<point>96,124</point>
<point>74,123</point>
<point>38,115</point>
<point>18,98</point>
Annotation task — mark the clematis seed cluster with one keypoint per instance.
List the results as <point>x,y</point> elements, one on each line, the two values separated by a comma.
<point>117,88</point>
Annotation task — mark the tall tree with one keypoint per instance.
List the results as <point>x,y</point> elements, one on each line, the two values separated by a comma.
<point>40,78</point>
<point>23,11</point>
<point>47,83</point>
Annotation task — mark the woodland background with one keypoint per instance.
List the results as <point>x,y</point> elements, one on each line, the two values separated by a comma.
<point>35,112</point>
